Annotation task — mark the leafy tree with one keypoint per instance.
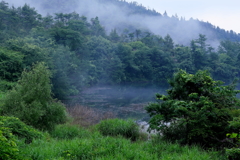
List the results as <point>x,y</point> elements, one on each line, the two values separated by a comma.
<point>138,33</point>
<point>29,17</point>
<point>168,44</point>
<point>102,60</point>
<point>31,53</point>
<point>202,42</point>
<point>183,57</point>
<point>65,71</point>
<point>114,37</point>
<point>197,107</point>
<point>143,62</point>
<point>31,100</point>
<point>10,64</point>
<point>96,28</point>
<point>67,37</point>
<point>198,56</point>
<point>124,52</point>
<point>163,66</point>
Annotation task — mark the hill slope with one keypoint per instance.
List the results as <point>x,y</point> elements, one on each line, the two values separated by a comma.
<point>122,15</point>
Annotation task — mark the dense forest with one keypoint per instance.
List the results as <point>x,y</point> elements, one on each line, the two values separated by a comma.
<point>60,48</point>
<point>81,53</point>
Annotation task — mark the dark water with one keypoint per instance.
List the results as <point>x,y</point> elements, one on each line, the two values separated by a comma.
<point>123,101</point>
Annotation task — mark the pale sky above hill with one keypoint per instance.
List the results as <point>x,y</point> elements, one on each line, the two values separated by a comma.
<point>222,13</point>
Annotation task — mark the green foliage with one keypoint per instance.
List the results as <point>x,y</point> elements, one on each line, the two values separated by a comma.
<point>10,64</point>
<point>31,100</point>
<point>20,129</point>
<point>197,107</point>
<point>29,52</point>
<point>234,152</point>
<point>8,146</point>
<point>67,37</point>
<point>96,146</point>
<point>116,127</point>
<point>6,85</point>
<point>67,131</point>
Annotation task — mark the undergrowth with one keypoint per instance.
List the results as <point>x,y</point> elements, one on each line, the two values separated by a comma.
<point>110,139</point>
<point>70,142</point>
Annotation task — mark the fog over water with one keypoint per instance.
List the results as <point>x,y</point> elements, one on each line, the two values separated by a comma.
<point>112,16</point>
<point>126,101</point>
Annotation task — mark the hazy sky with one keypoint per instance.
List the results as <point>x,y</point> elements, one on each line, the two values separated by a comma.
<point>222,13</point>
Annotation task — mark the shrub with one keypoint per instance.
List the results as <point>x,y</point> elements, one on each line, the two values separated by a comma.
<point>6,85</point>
<point>198,107</point>
<point>20,129</point>
<point>67,131</point>
<point>8,146</point>
<point>114,127</point>
<point>234,152</point>
<point>31,100</point>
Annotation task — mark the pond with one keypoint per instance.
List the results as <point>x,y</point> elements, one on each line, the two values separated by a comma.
<point>126,101</point>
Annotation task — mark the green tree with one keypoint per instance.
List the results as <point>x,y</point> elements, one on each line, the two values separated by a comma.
<point>168,44</point>
<point>163,66</point>
<point>124,52</point>
<point>113,36</point>
<point>29,17</point>
<point>202,42</point>
<point>10,65</point>
<point>183,57</point>
<point>198,56</point>
<point>96,28</point>
<point>197,107</point>
<point>31,100</point>
<point>67,37</point>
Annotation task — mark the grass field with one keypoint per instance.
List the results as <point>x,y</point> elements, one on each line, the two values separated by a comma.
<point>73,142</point>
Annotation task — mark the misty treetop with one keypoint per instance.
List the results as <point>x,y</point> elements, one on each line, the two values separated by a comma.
<point>121,14</point>
<point>81,52</point>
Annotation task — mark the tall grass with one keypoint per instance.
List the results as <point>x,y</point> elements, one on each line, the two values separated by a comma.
<point>108,148</point>
<point>68,131</point>
<point>94,145</point>
<point>119,127</point>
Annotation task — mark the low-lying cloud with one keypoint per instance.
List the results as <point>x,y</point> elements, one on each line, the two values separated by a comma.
<point>113,16</point>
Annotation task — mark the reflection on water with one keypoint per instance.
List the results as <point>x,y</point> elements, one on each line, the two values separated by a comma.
<point>122,101</point>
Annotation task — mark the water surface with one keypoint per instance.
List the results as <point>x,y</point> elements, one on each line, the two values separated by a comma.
<point>126,101</point>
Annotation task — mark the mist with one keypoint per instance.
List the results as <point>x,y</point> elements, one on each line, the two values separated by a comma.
<point>124,101</point>
<point>118,17</point>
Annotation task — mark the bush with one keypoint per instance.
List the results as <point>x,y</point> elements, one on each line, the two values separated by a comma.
<point>67,131</point>
<point>198,107</point>
<point>8,146</point>
<point>20,129</point>
<point>233,153</point>
<point>6,85</point>
<point>115,127</point>
<point>31,100</point>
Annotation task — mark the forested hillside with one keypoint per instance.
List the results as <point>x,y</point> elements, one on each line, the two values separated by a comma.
<point>123,15</point>
<point>82,51</point>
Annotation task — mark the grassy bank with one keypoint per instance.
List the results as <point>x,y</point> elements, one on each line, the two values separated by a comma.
<point>92,145</point>
<point>111,139</point>
<point>79,143</point>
